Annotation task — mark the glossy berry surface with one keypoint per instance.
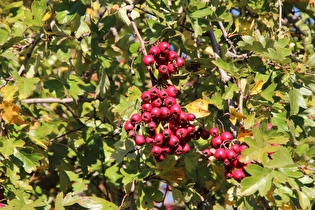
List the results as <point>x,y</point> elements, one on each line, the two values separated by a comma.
<point>238,175</point>
<point>148,60</point>
<point>139,140</point>
<point>220,154</point>
<point>165,47</point>
<point>214,132</point>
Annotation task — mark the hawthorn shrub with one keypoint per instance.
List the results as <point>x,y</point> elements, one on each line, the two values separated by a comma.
<point>79,77</point>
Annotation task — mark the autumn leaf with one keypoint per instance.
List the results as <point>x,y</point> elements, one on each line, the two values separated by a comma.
<point>257,88</point>
<point>9,92</point>
<point>199,108</point>
<point>242,134</point>
<point>10,113</point>
<point>236,115</point>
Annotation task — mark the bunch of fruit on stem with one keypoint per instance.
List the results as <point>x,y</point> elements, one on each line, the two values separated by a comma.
<point>167,62</point>
<point>169,128</point>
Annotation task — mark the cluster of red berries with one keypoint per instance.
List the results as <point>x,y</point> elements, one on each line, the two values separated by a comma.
<point>160,111</point>
<point>167,61</point>
<point>228,152</point>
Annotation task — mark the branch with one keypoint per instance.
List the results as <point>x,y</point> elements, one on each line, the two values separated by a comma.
<point>280,13</point>
<point>57,100</point>
<point>29,54</point>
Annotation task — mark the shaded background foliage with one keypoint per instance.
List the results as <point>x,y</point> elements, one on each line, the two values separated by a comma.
<point>72,71</point>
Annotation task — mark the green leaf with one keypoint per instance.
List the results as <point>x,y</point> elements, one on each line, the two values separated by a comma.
<point>303,200</point>
<point>291,171</point>
<point>311,152</point>
<point>250,121</point>
<point>9,92</point>
<point>226,66</point>
<point>202,12</point>
<point>8,145</point>
<point>74,86</point>
<point>133,93</point>
<point>280,159</point>
<point>29,158</point>
<point>177,194</point>
<point>229,91</point>
<point>68,200</point>
<point>96,203</point>
<point>311,61</point>
<point>259,182</point>
<point>39,136</point>
<point>26,85</point>
<point>268,93</point>
<point>296,101</point>
<point>279,119</point>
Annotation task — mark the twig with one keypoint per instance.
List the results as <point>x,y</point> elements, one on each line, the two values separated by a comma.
<point>225,34</point>
<point>104,178</point>
<point>29,54</point>
<point>280,13</point>
<point>73,113</point>
<point>240,103</point>
<point>79,128</point>
<point>57,100</point>
<point>131,194</point>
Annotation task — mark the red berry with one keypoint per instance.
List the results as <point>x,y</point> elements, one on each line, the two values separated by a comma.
<point>238,163</point>
<point>172,55</point>
<point>151,126</point>
<point>226,136</point>
<point>175,110</point>
<point>205,134</point>
<point>146,107</point>
<point>165,150</point>
<point>242,147</point>
<point>146,117</point>
<point>167,134</point>
<point>238,175</point>
<point>154,51</point>
<point>191,117</point>
<point>173,141</point>
<point>139,140</point>
<point>152,133</point>
<point>154,92</point>
<point>156,150</point>
<point>1,205</point>
<point>169,102</point>
<point>155,113</point>
<point>230,155</point>
<point>149,140</point>
<point>159,158</point>
<point>157,102</point>
<point>128,126</point>
<point>164,113</point>
<point>220,154</point>
<point>191,130</point>
<point>235,148</point>
<point>163,94</point>
<point>216,142</point>
<point>207,153</point>
<point>158,139</point>
<point>228,175</point>
<point>196,136</point>
<point>174,124</point>
<point>165,47</point>
<point>132,134</point>
<point>179,150</point>
<point>171,68</point>
<point>183,118</point>
<point>172,91</point>
<point>214,132</point>
<point>146,96</point>
<point>185,148</point>
<point>163,69</point>
<point>181,133</point>
<point>135,118</point>
<point>180,62</point>
<point>148,60</point>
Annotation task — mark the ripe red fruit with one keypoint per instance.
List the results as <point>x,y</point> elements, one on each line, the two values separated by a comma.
<point>158,139</point>
<point>172,91</point>
<point>238,175</point>
<point>242,147</point>
<point>174,124</point>
<point>191,130</point>
<point>172,55</point>
<point>152,133</point>
<point>154,51</point>
<point>163,69</point>
<point>163,94</point>
<point>229,166</point>
<point>135,119</point>
<point>151,126</point>
<point>156,150</point>
<point>185,148</point>
<point>132,134</point>
<point>205,134</point>
<point>228,175</point>
<point>146,117</point>
<point>157,102</point>
<point>159,158</point>
<point>220,154</point>
<point>155,113</point>
<point>173,141</point>
<point>183,118</point>
<point>178,150</point>
<point>169,102</point>
<point>128,126</point>
<point>139,140</point>
<point>165,150</point>
<point>165,47</point>
<point>216,142</point>
<point>235,148</point>
<point>175,110</point>
<point>164,113</point>
<point>171,68</point>
<point>214,132</point>
<point>149,140</point>
<point>226,136</point>
<point>191,117</point>
<point>181,133</point>
<point>230,155</point>
<point>180,62</point>
<point>146,107</point>
<point>148,60</point>
<point>196,136</point>
<point>238,163</point>
<point>154,92</point>
<point>146,96</point>
<point>207,153</point>
<point>167,133</point>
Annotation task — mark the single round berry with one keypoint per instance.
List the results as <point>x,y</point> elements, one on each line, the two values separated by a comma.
<point>181,133</point>
<point>154,51</point>
<point>191,130</point>
<point>205,134</point>
<point>174,124</point>
<point>165,47</point>
<point>191,117</point>
<point>148,60</point>
<point>228,175</point>
<point>132,134</point>
<point>154,92</point>
<point>146,96</point>
<point>172,55</point>
<point>169,102</point>
<point>163,94</point>
<point>164,113</point>
<point>214,132</point>
<point>183,118</point>
<point>146,107</point>
<point>230,155</point>
<point>235,148</point>
<point>167,134</point>
<point>157,102</point>
<point>171,68</point>
<point>238,175</point>
<point>242,147</point>
<point>179,150</point>
<point>151,126</point>
<point>172,91</point>
<point>206,153</point>
<point>155,113</point>
<point>175,110</point>
<point>163,69</point>
<point>158,139</point>
<point>165,149</point>
<point>185,148</point>
<point>196,136</point>
<point>128,126</point>
<point>159,158</point>
<point>226,136</point>
<point>216,142</point>
<point>156,150</point>
<point>220,154</point>
<point>173,141</point>
<point>149,140</point>
<point>139,140</point>
<point>269,126</point>
<point>146,117</point>
<point>135,118</point>
<point>180,62</point>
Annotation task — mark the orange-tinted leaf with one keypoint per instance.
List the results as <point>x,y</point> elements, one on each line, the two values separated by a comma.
<point>199,108</point>
<point>242,134</point>
<point>236,115</point>
<point>10,113</point>
<point>8,92</point>
<point>257,88</point>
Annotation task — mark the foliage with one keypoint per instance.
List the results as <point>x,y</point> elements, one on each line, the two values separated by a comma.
<point>72,74</point>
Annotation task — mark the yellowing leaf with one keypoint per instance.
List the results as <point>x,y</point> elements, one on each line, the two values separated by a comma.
<point>257,88</point>
<point>10,113</point>
<point>242,134</point>
<point>47,16</point>
<point>8,92</point>
<point>176,175</point>
<point>236,115</point>
<point>199,108</point>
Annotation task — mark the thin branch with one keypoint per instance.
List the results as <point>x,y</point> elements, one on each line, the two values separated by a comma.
<point>29,54</point>
<point>280,13</point>
<point>79,128</point>
<point>57,100</point>
<point>131,194</point>
<point>73,113</point>
<point>225,34</point>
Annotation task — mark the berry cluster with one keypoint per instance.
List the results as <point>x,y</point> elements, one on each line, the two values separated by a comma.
<point>168,127</point>
<point>227,152</point>
<point>167,61</point>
